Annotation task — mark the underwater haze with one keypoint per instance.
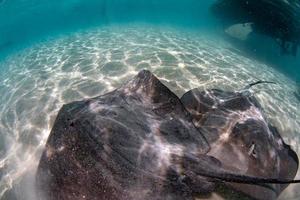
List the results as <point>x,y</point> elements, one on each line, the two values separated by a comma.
<point>25,21</point>
<point>54,52</point>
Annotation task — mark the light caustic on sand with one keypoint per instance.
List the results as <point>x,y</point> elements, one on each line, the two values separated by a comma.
<point>40,79</point>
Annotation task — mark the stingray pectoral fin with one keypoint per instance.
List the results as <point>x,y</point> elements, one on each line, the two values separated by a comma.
<point>198,184</point>
<point>198,162</point>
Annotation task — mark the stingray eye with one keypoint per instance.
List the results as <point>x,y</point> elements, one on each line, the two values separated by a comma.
<point>252,150</point>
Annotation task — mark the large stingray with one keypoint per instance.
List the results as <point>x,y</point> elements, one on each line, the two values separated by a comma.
<point>139,142</point>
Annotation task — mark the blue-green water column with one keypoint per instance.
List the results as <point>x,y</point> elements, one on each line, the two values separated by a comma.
<point>25,21</point>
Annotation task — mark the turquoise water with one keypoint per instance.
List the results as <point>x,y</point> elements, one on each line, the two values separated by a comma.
<point>27,21</point>
<point>55,52</point>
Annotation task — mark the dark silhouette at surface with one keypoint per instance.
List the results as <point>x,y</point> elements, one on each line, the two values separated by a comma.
<point>279,19</point>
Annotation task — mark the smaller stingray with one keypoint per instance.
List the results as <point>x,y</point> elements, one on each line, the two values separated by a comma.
<point>139,142</point>
<point>241,138</point>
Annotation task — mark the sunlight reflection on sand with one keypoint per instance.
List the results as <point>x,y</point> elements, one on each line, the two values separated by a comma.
<point>40,79</point>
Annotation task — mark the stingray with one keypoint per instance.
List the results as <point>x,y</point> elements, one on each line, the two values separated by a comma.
<point>142,142</point>
<point>241,138</point>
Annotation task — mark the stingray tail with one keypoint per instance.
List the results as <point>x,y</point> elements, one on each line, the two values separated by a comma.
<point>210,167</point>
<point>238,178</point>
<point>245,91</point>
<point>256,83</point>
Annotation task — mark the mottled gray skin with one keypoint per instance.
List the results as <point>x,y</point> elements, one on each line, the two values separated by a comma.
<point>241,138</point>
<point>127,144</point>
<point>139,142</point>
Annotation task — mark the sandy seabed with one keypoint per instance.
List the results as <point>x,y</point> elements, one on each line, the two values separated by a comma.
<point>40,79</point>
